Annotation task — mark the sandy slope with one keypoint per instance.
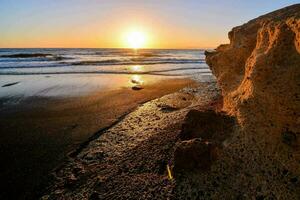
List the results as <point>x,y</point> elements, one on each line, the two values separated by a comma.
<point>130,159</point>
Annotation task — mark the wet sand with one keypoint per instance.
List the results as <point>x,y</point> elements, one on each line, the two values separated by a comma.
<point>37,133</point>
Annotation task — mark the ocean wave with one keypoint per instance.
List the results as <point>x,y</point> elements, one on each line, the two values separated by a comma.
<point>138,61</point>
<point>50,61</point>
<point>26,55</point>
<point>31,66</point>
<point>31,57</point>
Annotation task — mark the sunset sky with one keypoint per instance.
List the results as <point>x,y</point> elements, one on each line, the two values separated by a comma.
<point>105,23</point>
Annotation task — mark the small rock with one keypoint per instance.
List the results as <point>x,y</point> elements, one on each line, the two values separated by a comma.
<point>137,87</point>
<point>135,81</point>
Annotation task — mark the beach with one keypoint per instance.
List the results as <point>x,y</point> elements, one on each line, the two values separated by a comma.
<point>38,132</point>
<point>53,102</point>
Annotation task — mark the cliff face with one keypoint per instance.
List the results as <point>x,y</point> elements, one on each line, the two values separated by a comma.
<point>259,71</point>
<point>259,75</point>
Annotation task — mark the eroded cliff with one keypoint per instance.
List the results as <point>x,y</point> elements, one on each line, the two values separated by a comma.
<point>259,75</point>
<point>260,69</point>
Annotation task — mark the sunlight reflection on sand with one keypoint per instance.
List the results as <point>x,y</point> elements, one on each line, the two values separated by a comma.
<point>71,84</point>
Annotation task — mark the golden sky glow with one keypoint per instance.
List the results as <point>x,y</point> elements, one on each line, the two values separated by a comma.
<point>135,29</point>
<point>103,23</point>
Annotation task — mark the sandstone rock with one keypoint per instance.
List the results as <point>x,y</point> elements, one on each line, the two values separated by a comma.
<point>259,71</point>
<point>207,124</point>
<point>259,75</point>
<point>194,154</point>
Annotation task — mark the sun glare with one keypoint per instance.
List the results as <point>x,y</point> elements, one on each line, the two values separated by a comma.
<point>136,68</point>
<point>136,39</point>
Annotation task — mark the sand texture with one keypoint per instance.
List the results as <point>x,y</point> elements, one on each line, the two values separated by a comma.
<point>130,159</point>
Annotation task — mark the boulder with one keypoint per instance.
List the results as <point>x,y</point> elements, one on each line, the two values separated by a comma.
<point>207,124</point>
<point>194,155</point>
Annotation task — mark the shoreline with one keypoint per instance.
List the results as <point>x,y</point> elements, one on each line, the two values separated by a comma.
<point>40,132</point>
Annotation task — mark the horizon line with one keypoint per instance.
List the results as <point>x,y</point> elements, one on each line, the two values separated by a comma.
<point>107,48</point>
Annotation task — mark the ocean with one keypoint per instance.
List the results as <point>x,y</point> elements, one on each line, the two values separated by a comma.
<point>37,69</point>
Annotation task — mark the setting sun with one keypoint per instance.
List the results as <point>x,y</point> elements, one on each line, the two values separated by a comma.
<point>136,39</point>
